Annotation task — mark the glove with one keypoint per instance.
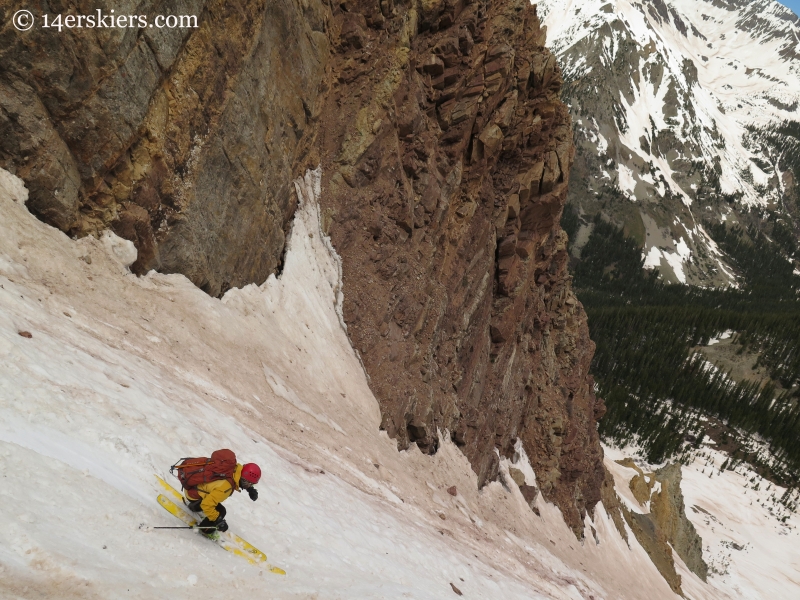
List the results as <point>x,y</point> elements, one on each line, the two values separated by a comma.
<point>207,526</point>
<point>253,493</point>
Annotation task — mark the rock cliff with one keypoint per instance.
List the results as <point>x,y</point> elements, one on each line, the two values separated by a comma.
<point>446,155</point>
<point>181,140</point>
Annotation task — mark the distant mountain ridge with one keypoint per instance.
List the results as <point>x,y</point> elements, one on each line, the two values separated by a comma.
<point>677,107</point>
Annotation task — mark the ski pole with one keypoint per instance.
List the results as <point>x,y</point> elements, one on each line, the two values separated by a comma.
<point>186,527</point>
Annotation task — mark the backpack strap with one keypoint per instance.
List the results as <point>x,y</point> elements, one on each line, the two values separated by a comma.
<point>228,478</point>
<point>176,472</point>
<point>181,465</point>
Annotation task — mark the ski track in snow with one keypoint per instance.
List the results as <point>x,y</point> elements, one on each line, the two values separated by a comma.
<point>124,375</point>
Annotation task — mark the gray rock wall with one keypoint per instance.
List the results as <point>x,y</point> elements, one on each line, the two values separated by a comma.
<point>181,140</point>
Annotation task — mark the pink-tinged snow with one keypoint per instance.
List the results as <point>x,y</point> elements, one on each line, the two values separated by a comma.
<point>768,566</point>
<point>124,375</point>
<point>729,514</point>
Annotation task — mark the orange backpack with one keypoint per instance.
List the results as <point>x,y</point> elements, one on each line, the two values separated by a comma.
<point>192,472</point>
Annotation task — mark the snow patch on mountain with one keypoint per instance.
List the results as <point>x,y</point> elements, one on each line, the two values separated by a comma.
<point>675,89</point>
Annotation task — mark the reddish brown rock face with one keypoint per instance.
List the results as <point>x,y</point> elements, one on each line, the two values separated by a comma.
<point>446,154</point>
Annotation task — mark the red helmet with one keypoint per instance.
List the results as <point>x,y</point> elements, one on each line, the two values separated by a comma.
<point>251,472</point>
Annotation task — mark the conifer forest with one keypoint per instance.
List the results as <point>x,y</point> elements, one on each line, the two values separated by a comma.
<point>659,389</point>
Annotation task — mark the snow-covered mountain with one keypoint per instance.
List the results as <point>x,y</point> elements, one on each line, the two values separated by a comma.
<point>675,104</point>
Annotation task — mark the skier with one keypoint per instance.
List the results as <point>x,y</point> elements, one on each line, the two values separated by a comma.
<point>209,483</point>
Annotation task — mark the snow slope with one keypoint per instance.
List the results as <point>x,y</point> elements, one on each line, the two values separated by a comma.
<point>751,551</point>
<point>122,375</point>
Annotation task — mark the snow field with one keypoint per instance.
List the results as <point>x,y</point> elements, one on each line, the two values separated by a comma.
<point>768,565</point>
<point>750,553</point>
<point>122,376</point>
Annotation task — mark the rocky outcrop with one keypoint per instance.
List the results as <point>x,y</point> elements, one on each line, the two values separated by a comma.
<point>446,154</point>
<point>640,487</point>
<point>640,484</point>
<point>181,140</point>
<point>669,513</point>
<point>665,528</point>
<point>654,542</point>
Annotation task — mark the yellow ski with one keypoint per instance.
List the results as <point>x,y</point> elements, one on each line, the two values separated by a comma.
<point>234,543</point>
<point>170,490</point>
<point>176,510</point>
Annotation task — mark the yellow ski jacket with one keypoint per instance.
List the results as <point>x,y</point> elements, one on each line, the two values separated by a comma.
<point>216,492</point>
